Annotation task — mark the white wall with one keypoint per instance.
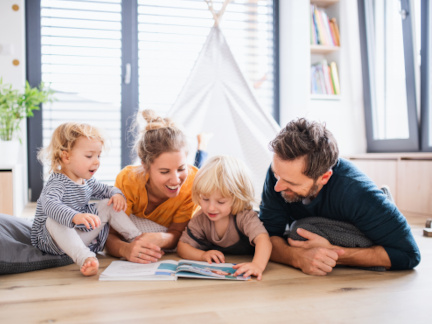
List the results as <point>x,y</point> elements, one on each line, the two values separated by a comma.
<point>12,42</point>
<point>12,47</point>
<point>343,117</point>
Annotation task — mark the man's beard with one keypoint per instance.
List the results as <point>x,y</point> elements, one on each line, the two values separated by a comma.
<point>297,198</point>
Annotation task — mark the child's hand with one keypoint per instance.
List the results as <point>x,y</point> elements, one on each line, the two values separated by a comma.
<point>119,202</point>
<point>89,220</point>
<point>249,269</point>
<point>213,255</point>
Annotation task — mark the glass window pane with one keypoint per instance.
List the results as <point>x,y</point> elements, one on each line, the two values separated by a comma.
<point>390,113</point>
<point>81,60</point>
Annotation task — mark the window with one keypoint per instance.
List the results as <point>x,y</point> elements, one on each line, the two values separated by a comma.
<point>389,75</point>
<point>176,31</point>
<point>106,58</point>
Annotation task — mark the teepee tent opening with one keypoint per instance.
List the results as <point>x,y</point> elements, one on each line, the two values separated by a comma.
<point>217,99</point>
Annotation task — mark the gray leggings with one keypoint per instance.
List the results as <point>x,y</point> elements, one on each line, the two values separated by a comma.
<point>75,242</point>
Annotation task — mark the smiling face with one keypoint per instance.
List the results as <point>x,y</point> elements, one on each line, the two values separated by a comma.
<point>293,185</point>
<point>215,206</point>
<point>167,174</point>
<point>82,161</point>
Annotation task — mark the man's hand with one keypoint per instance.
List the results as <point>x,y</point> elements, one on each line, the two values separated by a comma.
<point>319,257</point>
<point>317,261</point>
<point>313,240</point>
<point>118,202</point>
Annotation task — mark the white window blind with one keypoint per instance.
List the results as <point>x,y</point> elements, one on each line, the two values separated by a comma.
<point>81,60</point>
<point>81,53</point>
<point>171,34</point>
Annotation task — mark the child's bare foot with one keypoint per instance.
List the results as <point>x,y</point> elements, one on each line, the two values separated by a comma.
<point>203,139</point>
<point>90,267</point>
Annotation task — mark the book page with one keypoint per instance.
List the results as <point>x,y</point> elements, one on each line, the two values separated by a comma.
<point>196,269</point>
<point>125,270</point>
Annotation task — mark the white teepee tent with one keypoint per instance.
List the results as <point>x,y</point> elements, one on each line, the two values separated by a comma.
<point>217,99</point>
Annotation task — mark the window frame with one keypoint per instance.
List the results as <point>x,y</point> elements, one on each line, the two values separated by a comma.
<point>34,73</point>
<point>276,60</point>
<point>425,98</point>
<point>130,91</point>
<point>411,144</point>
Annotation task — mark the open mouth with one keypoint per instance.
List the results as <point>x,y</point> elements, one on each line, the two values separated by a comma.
<point>173,188</point>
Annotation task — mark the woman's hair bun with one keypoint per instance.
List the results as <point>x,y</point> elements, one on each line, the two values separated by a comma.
<point>154,121</point>
<point>159,135</point>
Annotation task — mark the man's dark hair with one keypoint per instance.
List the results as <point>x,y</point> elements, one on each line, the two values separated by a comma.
<point>310,139</point>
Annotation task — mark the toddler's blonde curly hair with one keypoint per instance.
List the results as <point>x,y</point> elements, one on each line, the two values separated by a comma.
<point>64,139</point>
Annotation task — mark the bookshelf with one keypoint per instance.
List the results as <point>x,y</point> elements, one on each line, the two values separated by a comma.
<point>324,50</point>
<point>342,114</point>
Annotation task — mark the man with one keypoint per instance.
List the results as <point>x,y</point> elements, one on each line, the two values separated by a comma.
<point>306,179</point>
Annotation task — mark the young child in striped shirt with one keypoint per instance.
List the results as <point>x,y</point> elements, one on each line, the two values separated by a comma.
<point>65,221</point>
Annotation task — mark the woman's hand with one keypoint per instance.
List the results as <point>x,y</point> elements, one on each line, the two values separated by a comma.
<point>142,250</point>
<point>213,255</point>
<point>118,202</point>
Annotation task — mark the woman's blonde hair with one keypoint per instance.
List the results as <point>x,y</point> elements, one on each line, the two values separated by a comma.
<point>64,139</point>
<point>228,175</point>
<point>160,135</point>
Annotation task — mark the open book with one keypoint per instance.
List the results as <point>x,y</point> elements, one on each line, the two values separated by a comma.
<point>168,270</point>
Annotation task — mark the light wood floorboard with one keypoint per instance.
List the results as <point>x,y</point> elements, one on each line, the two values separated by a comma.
<point>347,295</point>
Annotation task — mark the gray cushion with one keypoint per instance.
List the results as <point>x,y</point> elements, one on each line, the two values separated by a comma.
<point>336,232</point>
<point>17,254</point>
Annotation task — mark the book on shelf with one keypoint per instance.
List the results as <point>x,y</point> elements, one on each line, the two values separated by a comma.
<point>318,83</point>
<point>326,25</point>
<point>334,27</point>
<point>335,77</point>
<point>324,31</point>
<point>168,270</point>
<point>327,77</point>
<point>314,85</point>
<point>313,30</point>
<point>333,33</point>
<point>322,39</point>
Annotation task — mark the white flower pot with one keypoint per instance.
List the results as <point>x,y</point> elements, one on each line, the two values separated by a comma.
<point>9,153</point>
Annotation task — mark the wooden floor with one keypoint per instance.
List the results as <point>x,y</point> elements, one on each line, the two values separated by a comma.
<point>63,295</point>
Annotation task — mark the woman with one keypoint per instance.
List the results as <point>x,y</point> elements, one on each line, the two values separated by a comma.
<point>158,192</point>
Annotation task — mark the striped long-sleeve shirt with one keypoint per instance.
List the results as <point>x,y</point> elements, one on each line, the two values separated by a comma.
<point>61,199</point>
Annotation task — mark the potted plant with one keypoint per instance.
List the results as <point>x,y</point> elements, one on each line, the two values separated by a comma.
<point>15,105</point>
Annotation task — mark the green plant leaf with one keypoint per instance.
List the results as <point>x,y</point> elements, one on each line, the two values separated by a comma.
<point>16,105</point>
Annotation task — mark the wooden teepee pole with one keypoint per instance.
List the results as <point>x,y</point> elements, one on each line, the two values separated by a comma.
<point>217,15</point>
